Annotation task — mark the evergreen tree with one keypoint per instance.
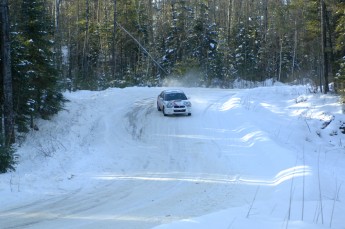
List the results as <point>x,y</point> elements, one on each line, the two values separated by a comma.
<point>340,41</point>
<point>7,135</point>
<point>7,158</point>
<point>36,85</point>
<point>246,49</point>
<point>206,50</point>
<point>174,39</point>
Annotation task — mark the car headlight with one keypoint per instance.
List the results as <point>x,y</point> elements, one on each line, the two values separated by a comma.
<point>170,105</point>
<point>187,103</point>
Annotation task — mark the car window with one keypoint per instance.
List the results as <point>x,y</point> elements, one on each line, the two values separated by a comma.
<point>167,97</point>
<point>175,96</point>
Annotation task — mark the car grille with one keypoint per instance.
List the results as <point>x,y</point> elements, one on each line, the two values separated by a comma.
<point>184,110</point>
<point>176,106</point>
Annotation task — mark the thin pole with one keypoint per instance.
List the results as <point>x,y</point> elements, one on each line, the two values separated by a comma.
<point>142,47</point>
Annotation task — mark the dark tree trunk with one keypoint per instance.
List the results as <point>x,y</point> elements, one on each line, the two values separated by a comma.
<point>86,74</point>
<point>323,46</point>
<point>6,74</point>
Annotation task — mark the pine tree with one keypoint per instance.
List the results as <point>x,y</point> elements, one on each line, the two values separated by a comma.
<point>340,41</point>
<point>37,92</point>
<point>7,137</point>
<point>7,158</point>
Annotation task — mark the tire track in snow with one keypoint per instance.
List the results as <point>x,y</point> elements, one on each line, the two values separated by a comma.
<point>140,109</point>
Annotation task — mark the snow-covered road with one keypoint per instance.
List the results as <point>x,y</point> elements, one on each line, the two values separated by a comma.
<point>111,160</point>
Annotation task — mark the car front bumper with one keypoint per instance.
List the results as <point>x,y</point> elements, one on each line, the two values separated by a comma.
<point>172,111</point>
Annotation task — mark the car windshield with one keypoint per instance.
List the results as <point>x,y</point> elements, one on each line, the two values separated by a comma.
<point>175,96</point>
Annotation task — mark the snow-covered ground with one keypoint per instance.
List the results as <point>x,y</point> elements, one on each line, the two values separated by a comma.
<point>268,157</point>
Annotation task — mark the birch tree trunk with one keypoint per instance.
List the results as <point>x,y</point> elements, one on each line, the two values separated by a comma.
<point>280,58</point>
<point>57,36</point>
<point>113,67</point>
<point>229,22</point>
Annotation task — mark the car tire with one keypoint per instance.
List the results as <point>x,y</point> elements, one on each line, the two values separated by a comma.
<point>164,112</point>
<point>158,108</point>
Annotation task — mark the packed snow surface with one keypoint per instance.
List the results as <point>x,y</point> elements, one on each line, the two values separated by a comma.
<point>268,157</point>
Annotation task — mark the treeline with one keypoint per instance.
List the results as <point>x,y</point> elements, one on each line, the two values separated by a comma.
<point>131,42</point>
<point>48,46</point>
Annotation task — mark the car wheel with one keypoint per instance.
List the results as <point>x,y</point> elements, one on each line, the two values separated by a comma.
<point>158,108</point>
<point>164,112</point>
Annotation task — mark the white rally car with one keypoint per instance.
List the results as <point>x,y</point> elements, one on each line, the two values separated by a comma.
<point>174,102</point>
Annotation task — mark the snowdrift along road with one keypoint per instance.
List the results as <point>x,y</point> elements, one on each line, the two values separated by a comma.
<point>264,156</point>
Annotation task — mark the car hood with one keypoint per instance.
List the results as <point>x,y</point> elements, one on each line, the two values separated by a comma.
<point>177,102</point>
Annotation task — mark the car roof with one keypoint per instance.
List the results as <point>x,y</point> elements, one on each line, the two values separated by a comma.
<point>173,91</point>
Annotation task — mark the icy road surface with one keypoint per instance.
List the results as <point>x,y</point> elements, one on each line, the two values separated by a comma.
<point>111,160</point>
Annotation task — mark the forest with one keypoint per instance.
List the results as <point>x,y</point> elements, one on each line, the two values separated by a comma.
<point>50,46</point>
